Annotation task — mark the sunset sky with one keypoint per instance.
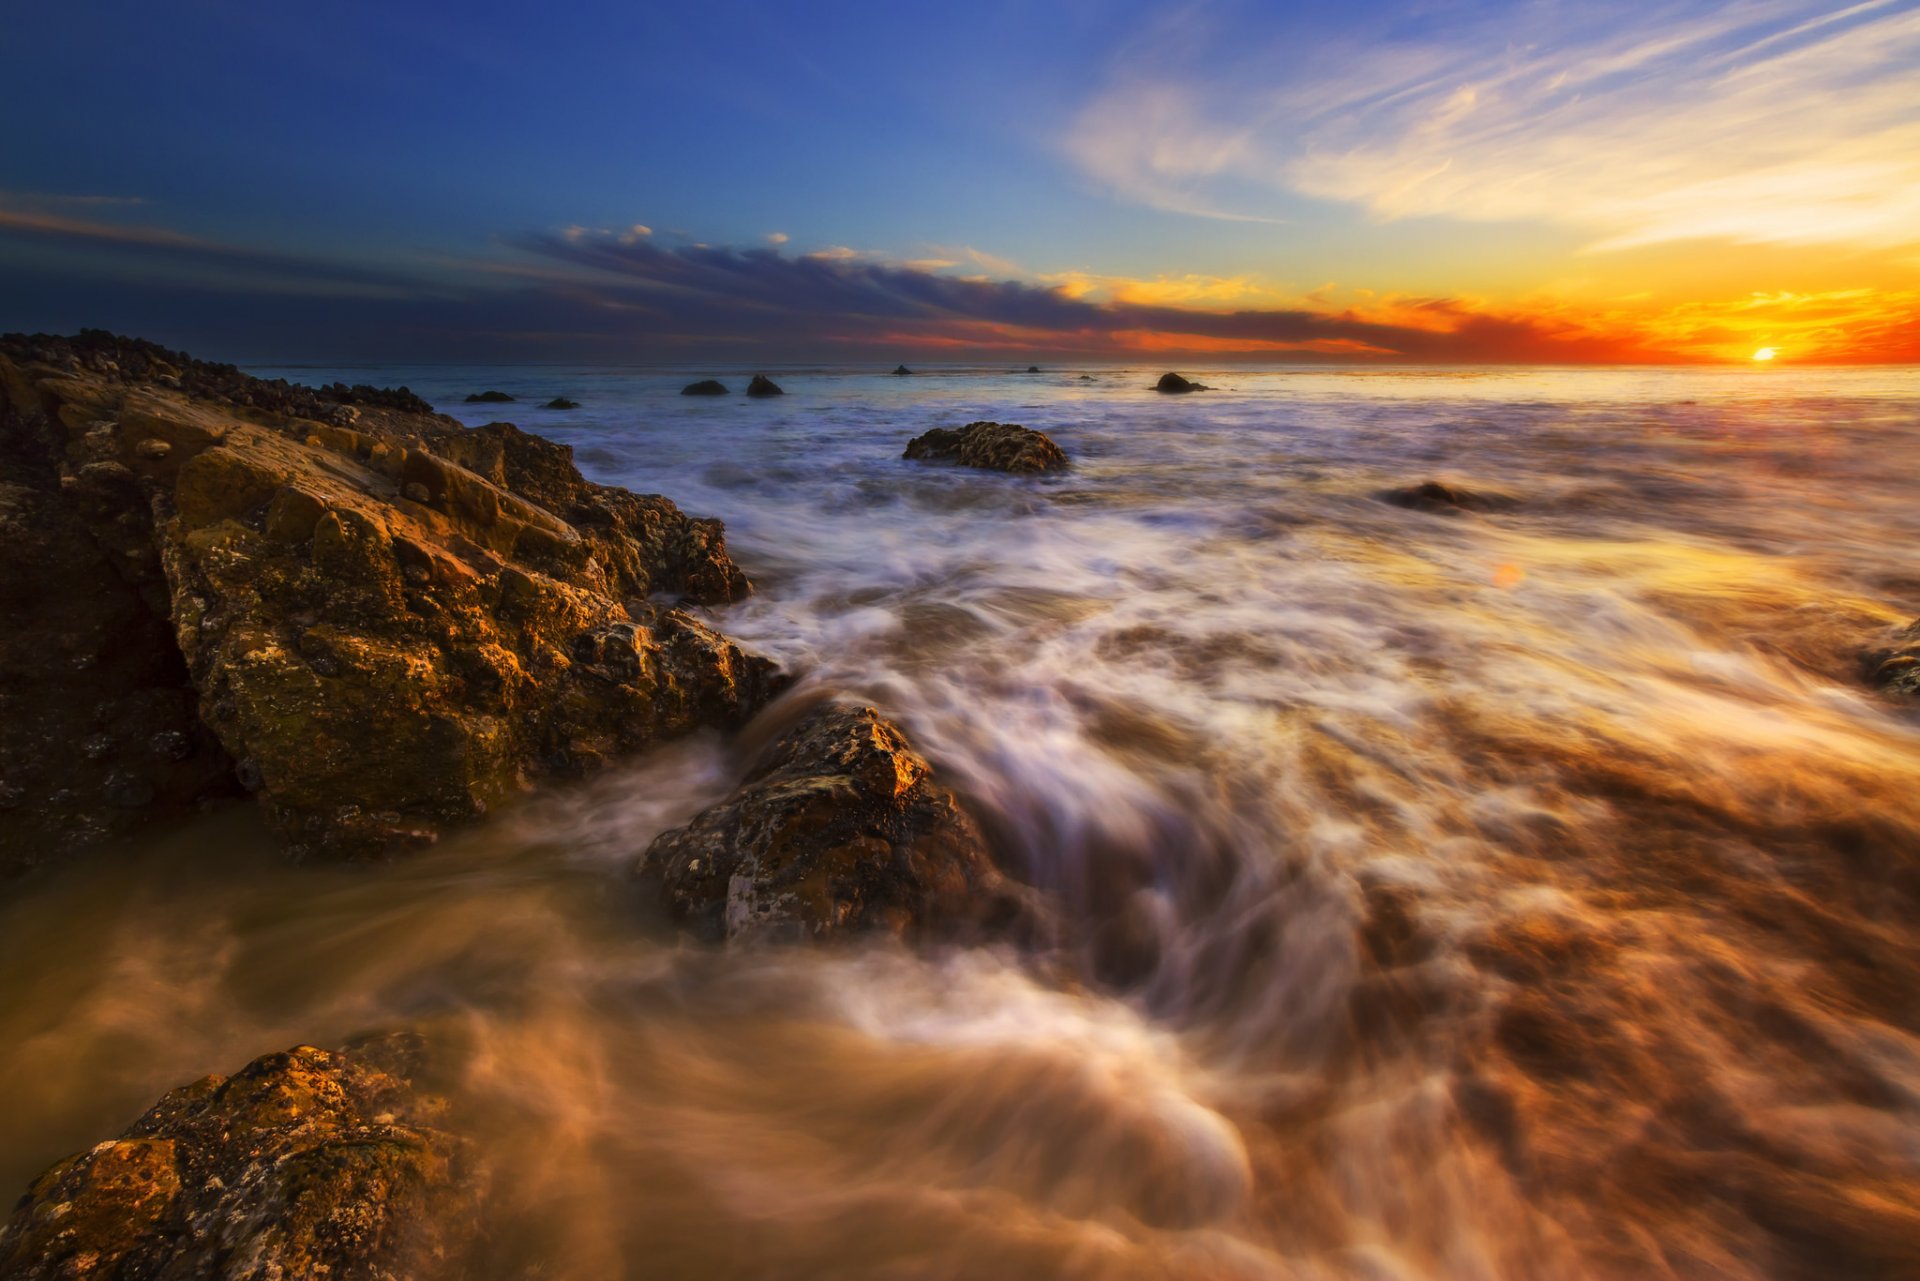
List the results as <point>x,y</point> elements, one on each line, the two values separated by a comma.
<point>1433,182</point>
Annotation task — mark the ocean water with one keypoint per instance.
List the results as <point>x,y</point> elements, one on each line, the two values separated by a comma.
<point>1527,894</point>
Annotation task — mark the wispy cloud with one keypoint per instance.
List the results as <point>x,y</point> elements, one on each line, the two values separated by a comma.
<point>1766,122</point>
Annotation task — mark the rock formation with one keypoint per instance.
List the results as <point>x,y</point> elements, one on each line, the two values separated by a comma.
<point>388,622</point>
<point>1175,383</point>
<point>995,446</point>
<point>705,387</point>
<point>763,386</point>
<point>561,402</point>
<point>489,398</point>
<point>1897,669</point>
<point>301,1164</point>
<point>901,369</point>
<point>839,828</point>
<point>1434,496</point>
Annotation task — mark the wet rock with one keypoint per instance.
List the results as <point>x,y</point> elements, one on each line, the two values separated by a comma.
<point>763,386</point>
<point>1174,383</point>
<point>1896,669</point>
<point>489,398</point>
<point>1434,496</point>
<point>561,402</point>
<point>901,369</point>
<point>1005,447</point>
<point>705,387</point>
<point>383,668</point>
<point>1033,369</point>
<point>838,829</point>
<point>302,1164</point>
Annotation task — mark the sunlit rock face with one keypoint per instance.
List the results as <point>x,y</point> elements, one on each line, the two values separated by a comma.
<point>839,829</point>
<point>302,1164</point>
<point>389,622</point>
<point>992,446</point>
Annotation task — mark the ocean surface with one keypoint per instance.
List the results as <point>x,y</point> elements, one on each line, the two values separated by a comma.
<point>1527,894</point>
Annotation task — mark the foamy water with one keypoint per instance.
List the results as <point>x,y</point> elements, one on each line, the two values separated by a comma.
<point>1519,895</point>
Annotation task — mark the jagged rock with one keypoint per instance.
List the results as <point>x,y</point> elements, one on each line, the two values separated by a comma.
<point>839,828</point>
<point>302,1164</point>
<point>901,369</point>
<point>388,627</point>
<point>561,402</point>
<point>763,386</point>
<point>705,387</point>
<point>1175,383</point>
<point>1434,496</point>
<point>1897,669</point>
<point>489,398</point>
<point>995,446</point>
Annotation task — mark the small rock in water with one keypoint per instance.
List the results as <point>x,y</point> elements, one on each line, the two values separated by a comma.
<point>901,369</point>
<point>561,402</point>
<point>1033,369</point>
<point>1897,670</point>
<point>1005,447</point>
<point>1434,496</point>
<point>763,386</point>
<point>705,387</point>
<point>1175,383</point>
<point>489,398</point>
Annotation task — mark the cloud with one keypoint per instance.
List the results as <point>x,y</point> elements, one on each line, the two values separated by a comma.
<point>1755,122</point>
<point>778,237</point>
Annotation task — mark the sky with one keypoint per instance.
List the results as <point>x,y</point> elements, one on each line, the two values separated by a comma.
<point>740,183</point>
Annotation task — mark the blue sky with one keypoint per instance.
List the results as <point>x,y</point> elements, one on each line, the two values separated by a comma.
<point>1628,178</point>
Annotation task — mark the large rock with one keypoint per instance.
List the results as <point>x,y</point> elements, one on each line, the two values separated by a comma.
<point>302,1164</point>
<point>561,402</point>
<point>838,829</point>
<point>390,622</point>
<point>705,387</point>
<point>764,386</point>
<point>1897,669</point>
<point>1444,499</point>
<point>994,446</point>
<point>1174,383</point>
<point>489,398</point>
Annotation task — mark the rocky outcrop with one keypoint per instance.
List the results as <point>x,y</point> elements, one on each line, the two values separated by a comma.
<point>561,402</point>
<point>838,829</point>
<point>1174,383</point>
<point>901,369</point>
<point>389,622</point>
<point>1033,369</point>
<point>1005,447</point>
<point>301,1164</point>
<point>1433,496</point>
<point>764,386</point>
<point>705,387</point>
<point>1896,669</point>
<point>489,398</point>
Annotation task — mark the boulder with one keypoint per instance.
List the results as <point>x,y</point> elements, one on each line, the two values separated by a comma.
<point>383,629</point>
<point>1033,369</point>
<point>1005,447</point>
<point>302,1164</point>
<point>489,398</point>
<point>1435,496</point>
<point>1174,383</point>
<point>838,829</point>
<point>1896,669</point>
<point>705,387</point>
<point>561,402</point>
<point>763,386</point>
<point>901,369</point>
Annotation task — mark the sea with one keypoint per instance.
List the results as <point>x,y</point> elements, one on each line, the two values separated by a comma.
<point>1511,894</point>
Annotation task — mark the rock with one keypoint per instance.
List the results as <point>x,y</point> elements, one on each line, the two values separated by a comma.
<point>302,1164</point>
<point>1033,369</point>
<point>838,829</point>
<point>1175,383</point>
<point>706,387</point>
<point>763,386</point>
<point>155,449</point>
<point>489,398</point>
<point>1434,496</point>
<point>1897,669</point>
<point>1086,378</point>
<point>561,402</point>
<point>383,669</point>
<point>901,369</point>
<point>1005,447</point>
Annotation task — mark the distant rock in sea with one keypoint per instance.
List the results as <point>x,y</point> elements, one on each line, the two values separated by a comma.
<point>1434,496</point>
<point>901,369</point>
<point>1033,369</point>
<point>489,398</point>
<point>1175,383</point>
<point>1086,378</point>
<point>764,386</point>
<point>1006,447</point>
<point>561,402</point>
<point>838,829</point>
<point>705,387</point>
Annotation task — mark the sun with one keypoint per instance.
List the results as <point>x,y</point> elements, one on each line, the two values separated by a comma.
<point>1765,353</point>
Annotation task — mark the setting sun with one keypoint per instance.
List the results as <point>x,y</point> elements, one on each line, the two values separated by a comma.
<point>1765,353</point>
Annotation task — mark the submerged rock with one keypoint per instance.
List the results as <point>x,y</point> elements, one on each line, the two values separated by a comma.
<point>839,828</point>
<point>901,369</point>
<point>1434,496</point>
<point>1897,669</point>
<point>489,398</point>
<point>561,402</point>
<point>1033,369</point>
<point>302,1164</point>
<point>705,387</point>
<point>995,446</point>
<point>1175,383</point>
<point>763,386</point>
<point>388,628</point>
